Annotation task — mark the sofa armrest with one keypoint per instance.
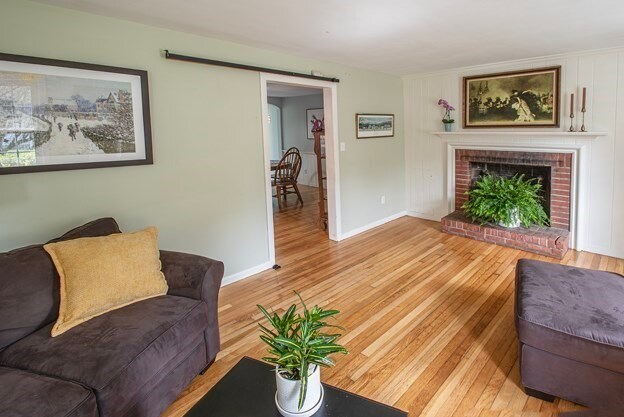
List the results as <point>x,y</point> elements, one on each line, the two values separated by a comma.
<point>192,276</point>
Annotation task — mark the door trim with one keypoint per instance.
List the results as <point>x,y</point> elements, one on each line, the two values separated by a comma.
<point>330,105</point>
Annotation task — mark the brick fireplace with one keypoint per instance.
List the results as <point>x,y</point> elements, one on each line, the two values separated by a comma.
<point>553,169</point>
<point>471,163</point>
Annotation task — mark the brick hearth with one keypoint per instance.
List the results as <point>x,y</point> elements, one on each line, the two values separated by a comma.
<point>550,241</point>
<point>547,241</point>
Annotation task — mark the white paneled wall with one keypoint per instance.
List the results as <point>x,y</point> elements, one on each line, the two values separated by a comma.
<point>308,169</point>
<point>602,72</point>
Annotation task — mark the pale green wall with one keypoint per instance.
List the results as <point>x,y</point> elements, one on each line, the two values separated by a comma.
<point>295,128</point>
<point>206,189</point>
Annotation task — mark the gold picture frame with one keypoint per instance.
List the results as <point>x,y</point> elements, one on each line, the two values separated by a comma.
<point>528,98</point>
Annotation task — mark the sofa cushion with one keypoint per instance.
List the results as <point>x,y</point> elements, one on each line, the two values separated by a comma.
<point>104,273</point>
<point>100,227</point>
<point>572,312</point>
<point>115,353</point>
<point>29,284</point>
<point>24,394</point>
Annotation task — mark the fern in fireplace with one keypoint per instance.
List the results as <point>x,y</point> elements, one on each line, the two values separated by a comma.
<point>507,201</point>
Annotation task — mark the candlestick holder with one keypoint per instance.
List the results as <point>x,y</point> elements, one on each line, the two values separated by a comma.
<point>583,110</point>
<point>572,123</point>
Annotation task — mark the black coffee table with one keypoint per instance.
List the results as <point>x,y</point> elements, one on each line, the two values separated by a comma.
<point>248,390</point>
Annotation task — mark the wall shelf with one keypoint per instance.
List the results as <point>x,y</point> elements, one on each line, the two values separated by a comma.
<point>488,133</point>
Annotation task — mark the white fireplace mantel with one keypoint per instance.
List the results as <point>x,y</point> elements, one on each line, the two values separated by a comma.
<point>576,143</point>
<point>495,133</point>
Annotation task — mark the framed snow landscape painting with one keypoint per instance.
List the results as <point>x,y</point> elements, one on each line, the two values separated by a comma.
<point>370,126</point>
<point>59,115</point>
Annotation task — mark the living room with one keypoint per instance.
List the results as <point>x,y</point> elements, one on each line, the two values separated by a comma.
<point>150,118</point>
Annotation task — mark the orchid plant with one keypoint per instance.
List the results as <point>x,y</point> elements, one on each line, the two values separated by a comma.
<point>447,111</point>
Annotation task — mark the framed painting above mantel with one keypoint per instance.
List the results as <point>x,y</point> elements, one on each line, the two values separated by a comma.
<point>529,98</point>
<point>61,115</point>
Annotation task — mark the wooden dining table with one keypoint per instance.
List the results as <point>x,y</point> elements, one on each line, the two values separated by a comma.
<point>275,163</point>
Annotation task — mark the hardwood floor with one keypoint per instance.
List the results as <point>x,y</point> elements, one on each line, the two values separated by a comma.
<point>429,316</point>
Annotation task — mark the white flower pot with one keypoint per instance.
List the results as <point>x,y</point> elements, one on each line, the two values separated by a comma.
<point>515,219</point>
<point>287,396</point>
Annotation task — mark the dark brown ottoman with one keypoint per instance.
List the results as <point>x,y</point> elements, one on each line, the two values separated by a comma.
<point>570,324</point>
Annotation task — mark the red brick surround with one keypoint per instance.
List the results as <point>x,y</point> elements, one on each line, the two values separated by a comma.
<point>561,176</point>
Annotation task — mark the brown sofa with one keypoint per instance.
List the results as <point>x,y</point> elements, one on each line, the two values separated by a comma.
<point>570,324</point>
<point>133,361</point>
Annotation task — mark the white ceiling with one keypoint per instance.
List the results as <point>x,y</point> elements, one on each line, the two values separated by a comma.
<point>396,36</point>
<point>285,90</point>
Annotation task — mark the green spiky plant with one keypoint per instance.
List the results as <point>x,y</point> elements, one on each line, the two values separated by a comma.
<point>297,341</point>
<point>494,198</point>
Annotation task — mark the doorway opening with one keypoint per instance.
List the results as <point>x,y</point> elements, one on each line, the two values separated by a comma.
<point>297,114</point>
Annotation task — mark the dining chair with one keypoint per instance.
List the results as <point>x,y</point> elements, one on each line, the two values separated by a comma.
<point>286,174</point>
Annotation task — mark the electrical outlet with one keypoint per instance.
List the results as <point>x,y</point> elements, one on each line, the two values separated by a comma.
<point>343,146</point>
<point>383,199</point>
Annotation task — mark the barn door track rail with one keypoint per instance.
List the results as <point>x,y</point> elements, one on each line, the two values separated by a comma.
<point>206,61</point>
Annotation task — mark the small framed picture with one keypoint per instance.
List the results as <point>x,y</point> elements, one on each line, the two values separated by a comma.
<point>60,115</point>
<point>316,121</point>
<point>374,125</point>
<point>528,98</point>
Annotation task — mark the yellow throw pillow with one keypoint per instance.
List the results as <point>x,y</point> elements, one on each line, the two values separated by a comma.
<point>101,274</point>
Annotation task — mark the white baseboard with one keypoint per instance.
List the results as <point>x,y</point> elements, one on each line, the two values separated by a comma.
<point>612,252</point>
<point>422,216</point>
<point>372,225</point>
<point>246,273</point>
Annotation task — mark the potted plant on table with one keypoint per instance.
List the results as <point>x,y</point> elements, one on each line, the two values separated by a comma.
<point>447,119</point>
<point>509,202</point>
<point>299,347</point>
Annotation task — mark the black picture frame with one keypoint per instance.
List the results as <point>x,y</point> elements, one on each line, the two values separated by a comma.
<point>142,137</point>
<point>371,132</point>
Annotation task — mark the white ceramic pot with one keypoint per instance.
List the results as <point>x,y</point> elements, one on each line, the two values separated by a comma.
<point>287,396</point>
<point>515,219</point>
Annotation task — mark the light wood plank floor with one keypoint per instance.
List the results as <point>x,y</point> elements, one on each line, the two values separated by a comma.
<point>429,316</point>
